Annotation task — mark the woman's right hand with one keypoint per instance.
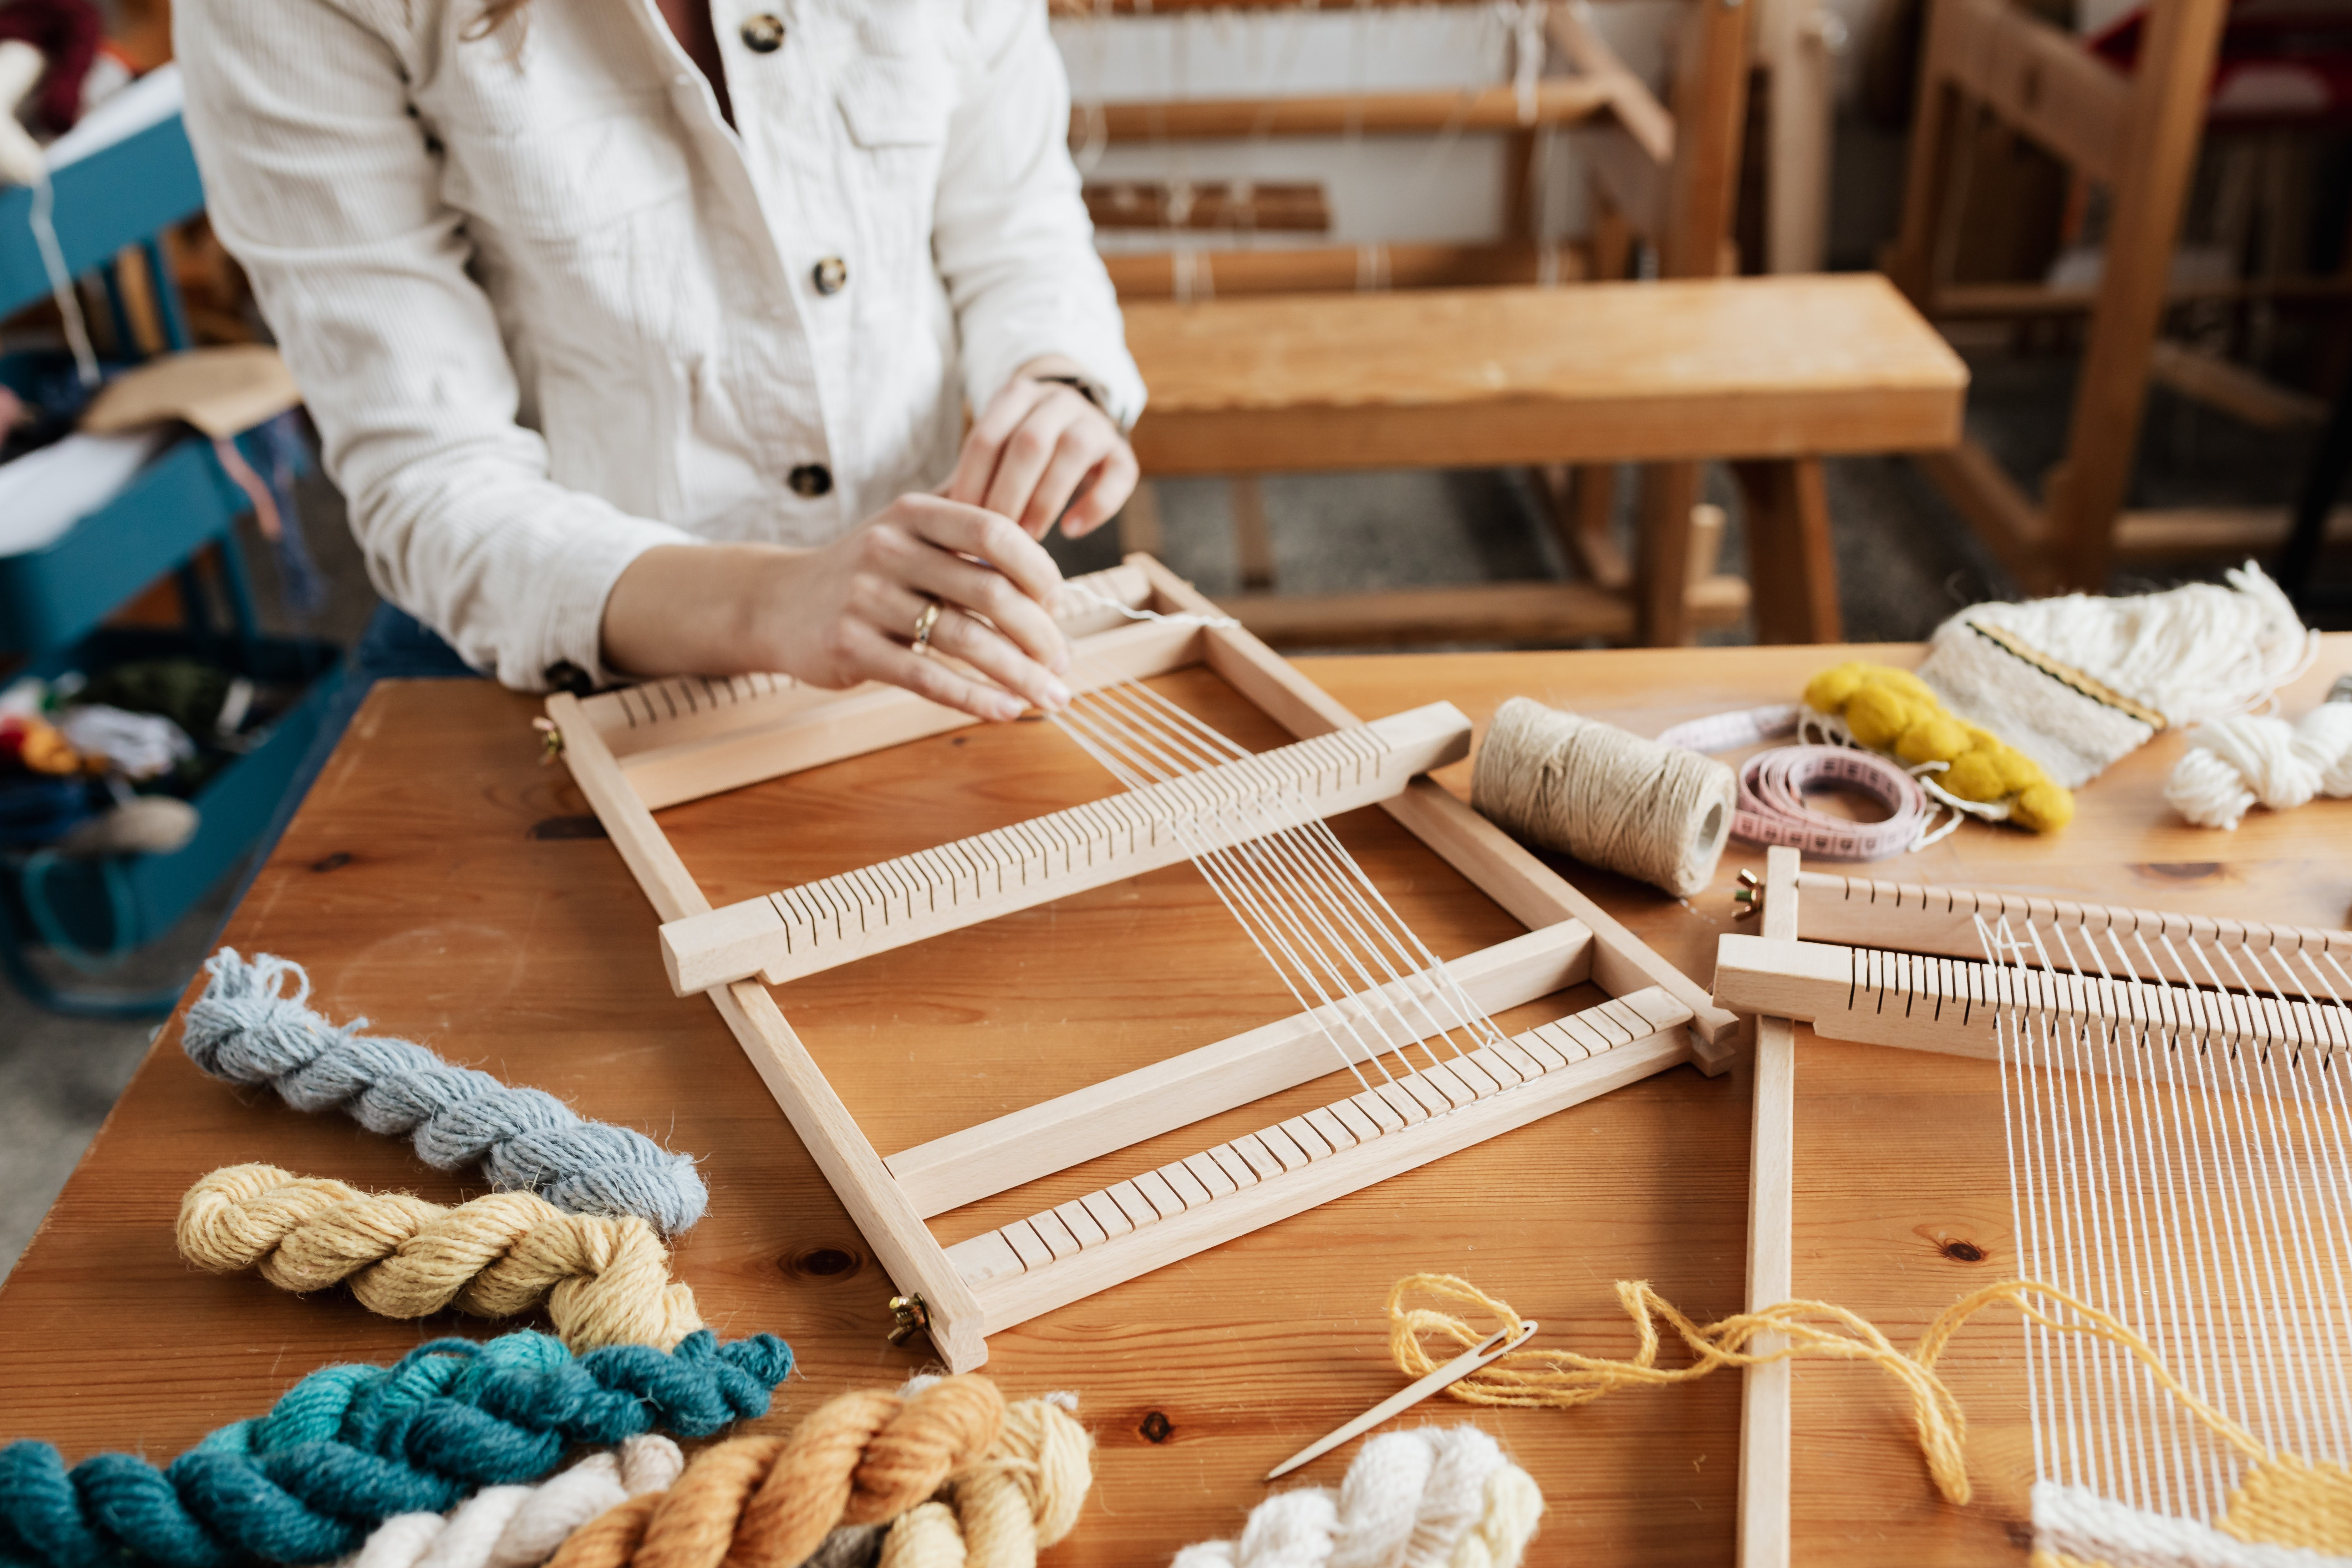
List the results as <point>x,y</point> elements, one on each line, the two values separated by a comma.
<point>849,612</point>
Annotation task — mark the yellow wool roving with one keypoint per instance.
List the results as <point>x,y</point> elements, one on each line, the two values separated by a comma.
<point>1894,711</point>
<point>605,1279</point>
<point>2282,1500</point>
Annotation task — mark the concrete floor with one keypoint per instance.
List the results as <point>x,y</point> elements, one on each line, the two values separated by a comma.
<point>1905,560</point>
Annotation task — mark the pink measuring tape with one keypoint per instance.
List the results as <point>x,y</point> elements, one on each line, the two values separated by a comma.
<point>1772,808</point>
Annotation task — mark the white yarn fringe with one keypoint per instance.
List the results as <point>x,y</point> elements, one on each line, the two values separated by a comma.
<point>2238,763</point>
<point>1429,1497</point>
<point>2084,1525</point>
<point>2192,653</point>
<point>520,1527</point>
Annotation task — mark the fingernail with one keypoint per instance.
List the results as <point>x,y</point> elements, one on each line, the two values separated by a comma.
<point>1006,707</point>
<point>1056,694</point>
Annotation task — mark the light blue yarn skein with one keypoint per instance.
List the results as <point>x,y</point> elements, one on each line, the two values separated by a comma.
<point>252,1026</point>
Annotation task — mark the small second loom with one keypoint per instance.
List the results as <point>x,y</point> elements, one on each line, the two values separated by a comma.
<point>2178,1133</point>
<point>637,751</point>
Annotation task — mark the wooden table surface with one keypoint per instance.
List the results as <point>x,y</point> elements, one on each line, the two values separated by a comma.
<point>442,883</point>
<point>1648,372</point>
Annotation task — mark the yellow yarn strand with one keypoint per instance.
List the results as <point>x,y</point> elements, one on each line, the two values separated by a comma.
<point>1558,1379</point>
<point>2288,1501</point>
<point>605,1281</point>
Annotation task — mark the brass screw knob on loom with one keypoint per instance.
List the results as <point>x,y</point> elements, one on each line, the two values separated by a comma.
<point>907,1314</point>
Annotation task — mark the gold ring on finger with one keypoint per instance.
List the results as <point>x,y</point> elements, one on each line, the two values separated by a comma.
<point>924,626</point>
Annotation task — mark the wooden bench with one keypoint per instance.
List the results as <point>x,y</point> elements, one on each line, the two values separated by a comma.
<point>1773,373</point>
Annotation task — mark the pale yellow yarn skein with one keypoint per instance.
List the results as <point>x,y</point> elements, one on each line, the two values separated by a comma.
<point>1024,1497</point>
<point>1607,797</point>
<point>605,1281</point>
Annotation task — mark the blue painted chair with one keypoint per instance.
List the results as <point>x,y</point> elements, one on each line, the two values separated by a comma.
<point>53,601</point>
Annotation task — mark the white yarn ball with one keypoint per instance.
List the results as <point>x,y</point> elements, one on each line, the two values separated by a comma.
<point>1429,1497</point>
<point>2238,763</point>
<point>1514,1504</point>
<point>520,1527</point>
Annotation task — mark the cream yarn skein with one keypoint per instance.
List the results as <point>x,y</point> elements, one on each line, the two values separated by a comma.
<point>1429,1497</point>
<point>2238,763</point>
<point>1607,797</point>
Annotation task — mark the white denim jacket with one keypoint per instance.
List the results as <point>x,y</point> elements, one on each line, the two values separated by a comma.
<point>548,309</point>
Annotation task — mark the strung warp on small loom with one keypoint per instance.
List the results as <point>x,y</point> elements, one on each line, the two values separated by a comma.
<point>2199,1191</point>
<point>1310,909</point>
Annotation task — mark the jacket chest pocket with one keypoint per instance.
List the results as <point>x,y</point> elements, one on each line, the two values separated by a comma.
<point>570,181</point>
<point>896,109</point>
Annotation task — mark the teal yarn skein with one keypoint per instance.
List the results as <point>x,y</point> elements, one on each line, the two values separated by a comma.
<point>252,1026</point>
<point>349,1447</point>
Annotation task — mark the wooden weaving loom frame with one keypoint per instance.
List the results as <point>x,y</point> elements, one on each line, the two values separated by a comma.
<point>1872,961</point>
<point>637,749</point>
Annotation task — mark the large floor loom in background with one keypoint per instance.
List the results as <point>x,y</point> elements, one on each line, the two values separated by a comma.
<point>2178,1136</point>
<point>1435,1073</point>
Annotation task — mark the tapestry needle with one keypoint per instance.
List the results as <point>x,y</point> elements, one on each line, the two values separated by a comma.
<point>1486,1349</point>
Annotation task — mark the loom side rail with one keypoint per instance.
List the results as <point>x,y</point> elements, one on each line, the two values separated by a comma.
<point>900,1240</point>
<point>1012,1150</point>
<point>1766,1410</point>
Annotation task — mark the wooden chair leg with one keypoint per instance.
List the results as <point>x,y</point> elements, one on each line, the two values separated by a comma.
<point>2322,483</point>
<point>1253,540</point>
<point>2162,130</point>
<point>1792,565</point>
<point>1662,588</point>
<point>1580,504</point>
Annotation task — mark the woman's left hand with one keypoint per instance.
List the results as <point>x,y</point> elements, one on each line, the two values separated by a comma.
<point>1041,450</point>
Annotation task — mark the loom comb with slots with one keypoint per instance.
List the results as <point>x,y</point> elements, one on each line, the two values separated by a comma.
<point>1254,825</point>
<point>2178,1137</point>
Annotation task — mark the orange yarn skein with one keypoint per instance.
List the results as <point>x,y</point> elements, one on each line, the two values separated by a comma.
<point>769,1502</point>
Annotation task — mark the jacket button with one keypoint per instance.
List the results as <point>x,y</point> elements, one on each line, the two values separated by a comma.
<point>566,676</point>
<point>831,276</point>
<point>809,480</point>
<point>763,34</point>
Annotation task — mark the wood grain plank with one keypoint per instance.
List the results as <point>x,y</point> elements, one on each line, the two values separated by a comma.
<point>1605,372</point>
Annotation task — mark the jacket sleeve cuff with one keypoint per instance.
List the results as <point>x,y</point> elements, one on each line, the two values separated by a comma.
<point>579,580</point>
<point>1107,366</point>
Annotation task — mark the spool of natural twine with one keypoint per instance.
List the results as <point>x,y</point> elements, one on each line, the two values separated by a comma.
<point>1610,798</point>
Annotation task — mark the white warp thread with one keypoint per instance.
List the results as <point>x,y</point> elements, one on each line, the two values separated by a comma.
<point>520,1527</point>
<point>2092,1529</point>
<point>2238,763</point>
<point>1429,1497</point>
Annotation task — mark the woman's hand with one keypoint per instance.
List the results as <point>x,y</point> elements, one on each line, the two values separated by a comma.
<point>850,612</point>
<point>1040,447</point>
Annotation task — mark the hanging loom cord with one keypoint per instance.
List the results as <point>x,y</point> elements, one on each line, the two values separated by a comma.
<point>349,1446</point>
<point>520,1527</point>
<point>605,1281</point>
<point>1016,1480</point>
<point>252,1025</point>
<point>1560,1378</point>
<point>1440,1495</point>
